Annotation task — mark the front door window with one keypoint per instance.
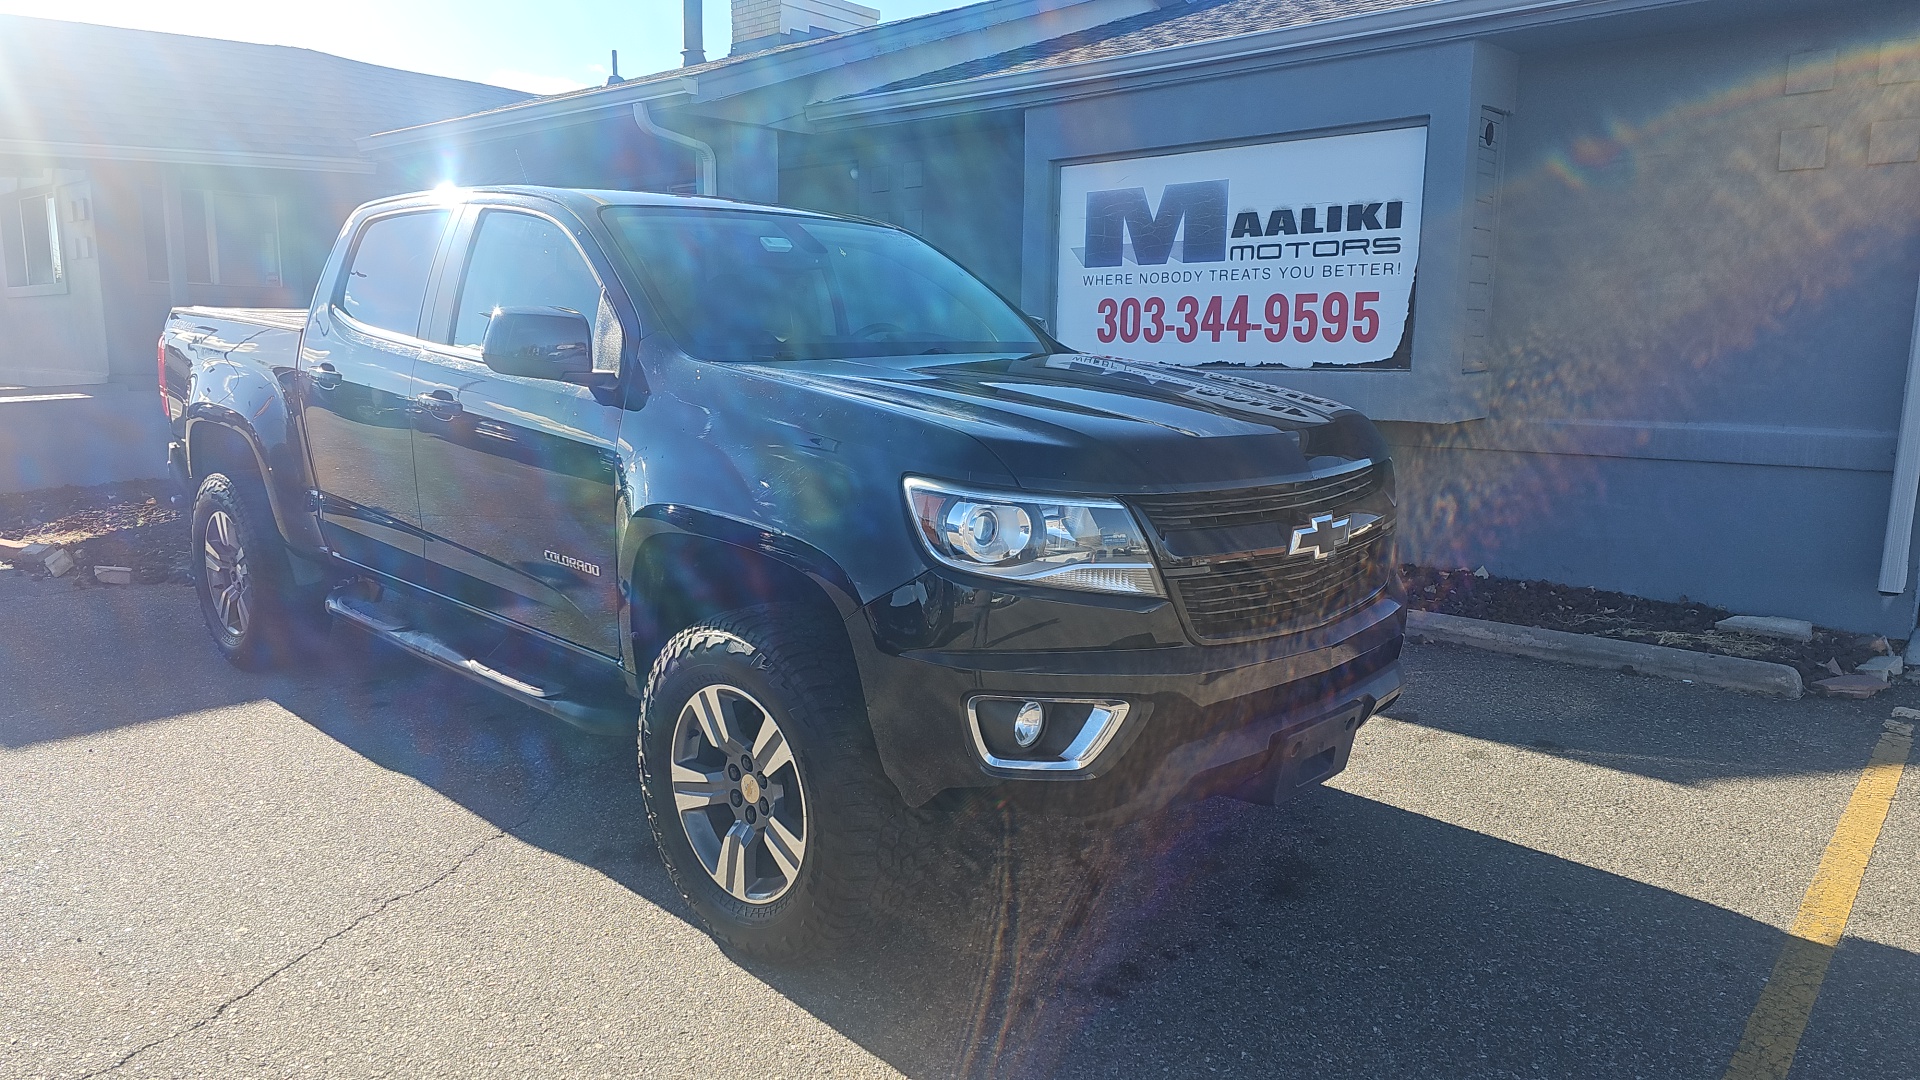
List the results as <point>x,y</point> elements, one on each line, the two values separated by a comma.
<point>518,476</point>
<point>521,261</point>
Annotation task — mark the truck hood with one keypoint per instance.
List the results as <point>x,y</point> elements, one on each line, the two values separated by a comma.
<point>1073,422</point>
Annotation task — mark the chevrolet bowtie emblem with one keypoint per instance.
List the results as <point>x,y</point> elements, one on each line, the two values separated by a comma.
<point>1325,534</point>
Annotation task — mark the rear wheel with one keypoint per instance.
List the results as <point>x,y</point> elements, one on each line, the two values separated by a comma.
<point>242,575</point>
<point>765,793</point>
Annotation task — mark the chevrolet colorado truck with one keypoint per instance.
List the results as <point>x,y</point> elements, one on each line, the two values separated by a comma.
<point>853,531</point>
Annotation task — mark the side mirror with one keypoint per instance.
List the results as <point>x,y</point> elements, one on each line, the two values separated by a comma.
<point>539,343</point>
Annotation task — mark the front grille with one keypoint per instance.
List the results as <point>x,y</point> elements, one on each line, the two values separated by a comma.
<point>1230,575</point>
<point>1263,595</point>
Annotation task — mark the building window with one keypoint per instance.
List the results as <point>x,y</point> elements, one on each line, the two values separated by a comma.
<point>32,240</point>
<point>232,238</point>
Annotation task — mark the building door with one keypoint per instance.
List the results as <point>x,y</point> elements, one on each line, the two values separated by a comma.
<point>356,391</point>
<point>518,478</point>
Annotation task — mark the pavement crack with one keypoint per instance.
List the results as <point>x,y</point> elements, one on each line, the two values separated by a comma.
<point>385,903</point>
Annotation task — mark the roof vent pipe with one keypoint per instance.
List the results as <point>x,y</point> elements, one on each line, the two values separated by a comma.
<point>692,18</point>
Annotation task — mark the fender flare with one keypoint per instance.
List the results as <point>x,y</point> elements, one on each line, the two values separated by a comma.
<point>649,524</point>
<point>293,526</point>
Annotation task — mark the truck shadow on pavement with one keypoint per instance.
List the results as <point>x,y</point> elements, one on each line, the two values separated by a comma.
<point>78,661</point>
<point>1334,936</point>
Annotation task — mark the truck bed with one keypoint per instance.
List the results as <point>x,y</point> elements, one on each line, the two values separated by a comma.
<point>198,338</point>
<point>294,319</point>
<point>269,336</point>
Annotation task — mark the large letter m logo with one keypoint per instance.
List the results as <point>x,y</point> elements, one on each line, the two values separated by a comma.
<point>1114,215</point>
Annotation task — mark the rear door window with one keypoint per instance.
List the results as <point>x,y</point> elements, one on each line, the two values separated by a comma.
<point>520,260</point>
<point>386,282</point>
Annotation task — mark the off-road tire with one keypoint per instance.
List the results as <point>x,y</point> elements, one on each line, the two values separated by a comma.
<point>269,636</point>
<point>795,663</point>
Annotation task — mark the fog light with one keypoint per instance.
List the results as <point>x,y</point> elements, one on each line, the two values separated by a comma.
<point>1027,725</point>
<point>1042,734</point>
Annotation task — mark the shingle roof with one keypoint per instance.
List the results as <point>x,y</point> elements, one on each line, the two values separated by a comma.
<point>1181,24</point>
<point>634,82</point>
<point>75,83</point>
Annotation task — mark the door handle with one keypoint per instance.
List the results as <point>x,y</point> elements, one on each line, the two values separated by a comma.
<point>438,404</point>
<point>326,376</point>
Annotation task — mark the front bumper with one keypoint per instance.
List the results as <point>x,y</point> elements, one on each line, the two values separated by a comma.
<point>1203,719</point>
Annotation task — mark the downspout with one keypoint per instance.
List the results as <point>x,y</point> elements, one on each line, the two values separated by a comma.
<point>1906,475</point>
<point>706,167</point>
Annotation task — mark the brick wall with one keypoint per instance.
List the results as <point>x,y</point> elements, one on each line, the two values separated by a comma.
<point>755,19</point>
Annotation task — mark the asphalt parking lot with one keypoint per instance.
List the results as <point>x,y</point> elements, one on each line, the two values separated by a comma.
<point>363,868</point>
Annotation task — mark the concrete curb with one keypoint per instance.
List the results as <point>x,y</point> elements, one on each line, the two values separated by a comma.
<point>1732,672</point>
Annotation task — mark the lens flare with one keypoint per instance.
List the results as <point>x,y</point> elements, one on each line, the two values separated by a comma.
<point>1660,281</point>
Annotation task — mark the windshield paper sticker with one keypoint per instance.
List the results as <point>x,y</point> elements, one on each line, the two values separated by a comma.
<point>1288,254</point>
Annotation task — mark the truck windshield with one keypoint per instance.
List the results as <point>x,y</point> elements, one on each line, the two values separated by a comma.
<point>740,285</point>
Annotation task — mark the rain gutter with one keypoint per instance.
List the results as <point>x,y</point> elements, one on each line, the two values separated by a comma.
<point>37,150</point>
<point>538,111</point>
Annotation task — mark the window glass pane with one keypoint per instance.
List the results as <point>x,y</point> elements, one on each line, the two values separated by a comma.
<point>40,238</point>
<point>387,279</point>
<point>246,238</point>
<point>53,238</point>
<point>744,285</point>
<point>522,261</point>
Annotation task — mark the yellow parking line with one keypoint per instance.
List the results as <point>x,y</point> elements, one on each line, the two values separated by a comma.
<point>1773,1031</point>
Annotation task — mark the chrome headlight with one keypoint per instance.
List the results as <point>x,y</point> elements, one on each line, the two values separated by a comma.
<point>1086,544</point>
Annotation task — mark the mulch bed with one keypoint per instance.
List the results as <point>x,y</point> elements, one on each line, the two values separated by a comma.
<point>130,524</point>
<point>1682,625</point>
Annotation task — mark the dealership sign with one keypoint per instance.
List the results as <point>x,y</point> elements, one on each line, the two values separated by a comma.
<point>1295,254</point>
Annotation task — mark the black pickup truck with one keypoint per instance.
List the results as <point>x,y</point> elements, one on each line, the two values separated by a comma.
<point>854,531</point>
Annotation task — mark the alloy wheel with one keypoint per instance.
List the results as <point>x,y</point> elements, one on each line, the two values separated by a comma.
<point>737,792</point>
<point>229,584</point>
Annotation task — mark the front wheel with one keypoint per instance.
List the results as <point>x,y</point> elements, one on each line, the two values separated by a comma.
<point>763,788</point>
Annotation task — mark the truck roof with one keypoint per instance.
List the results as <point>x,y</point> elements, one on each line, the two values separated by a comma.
<point>584,201</point>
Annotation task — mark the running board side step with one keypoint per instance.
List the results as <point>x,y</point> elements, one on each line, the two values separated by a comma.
<point>596,717</point>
